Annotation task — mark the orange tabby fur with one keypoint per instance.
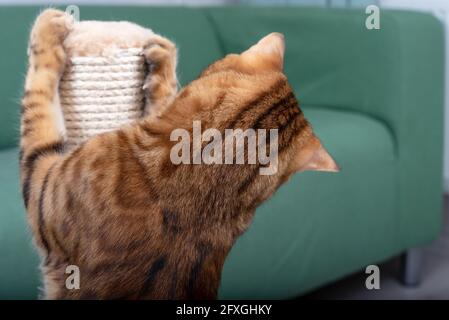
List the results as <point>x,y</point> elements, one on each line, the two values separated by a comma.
<point>138,226</point>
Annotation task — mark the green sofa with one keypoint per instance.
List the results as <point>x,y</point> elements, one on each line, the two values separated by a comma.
<point>374,97</point>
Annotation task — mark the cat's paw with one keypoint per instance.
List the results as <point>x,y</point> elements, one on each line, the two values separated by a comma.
<point>161,82</point>
<point>160,52</point>
<point>51,27</point>
<point>47,37</point>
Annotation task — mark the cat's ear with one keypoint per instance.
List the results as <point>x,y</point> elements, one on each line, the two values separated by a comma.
<point>272,46</point>
<point>314,157</point>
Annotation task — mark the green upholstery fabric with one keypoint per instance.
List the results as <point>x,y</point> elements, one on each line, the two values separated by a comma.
<point>18,258</point>
<point>375,98</point>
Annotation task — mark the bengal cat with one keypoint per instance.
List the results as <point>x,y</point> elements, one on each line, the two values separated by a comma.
<point>137,225</point>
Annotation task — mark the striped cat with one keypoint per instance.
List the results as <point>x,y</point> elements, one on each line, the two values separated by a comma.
<point>137,225</point>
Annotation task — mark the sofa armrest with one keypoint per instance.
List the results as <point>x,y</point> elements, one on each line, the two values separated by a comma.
<point>417,115</point>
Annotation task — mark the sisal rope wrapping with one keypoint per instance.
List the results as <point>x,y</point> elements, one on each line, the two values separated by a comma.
<point>101,88</point>
<point>102,93</point>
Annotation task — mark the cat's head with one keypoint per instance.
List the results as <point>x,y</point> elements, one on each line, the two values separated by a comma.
<point>264,62</point>
<point>246,91</point>
<point>250,90</point>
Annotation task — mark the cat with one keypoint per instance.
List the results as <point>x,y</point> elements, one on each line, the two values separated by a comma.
<point>136,225</point>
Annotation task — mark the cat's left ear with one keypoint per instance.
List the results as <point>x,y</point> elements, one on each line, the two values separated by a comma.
<point>271,46</point>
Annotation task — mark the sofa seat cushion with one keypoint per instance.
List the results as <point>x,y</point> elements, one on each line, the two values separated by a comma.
<point>19,276</point>
<point>308,233</point>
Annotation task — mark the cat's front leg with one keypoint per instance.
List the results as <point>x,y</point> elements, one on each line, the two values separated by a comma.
<point>161,83</point>
<point>47,60</point>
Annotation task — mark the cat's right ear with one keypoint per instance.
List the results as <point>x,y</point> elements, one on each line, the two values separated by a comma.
<point>271,46</point>
<point>314,157</point>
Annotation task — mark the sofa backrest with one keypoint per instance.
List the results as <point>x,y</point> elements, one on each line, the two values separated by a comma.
<point>332,60</point>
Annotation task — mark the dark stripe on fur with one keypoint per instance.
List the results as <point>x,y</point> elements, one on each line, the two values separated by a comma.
<point>296,120</point>
<point>155,268</point>
<point>38,92</point>
<point>286,101</point>
<point>36,50</point>
<point>57,147</point>
<point>55,203</point>
<point>27,131</point>
<point>35,118</point>
<point>29,106</point>
<point>249,179</point>
<point>170,221</point>
<point>69,158</point>
<point>174,285</point>
<point>299,123</point>
<point>130,164</point>
<point>249,107</point>
<point>203,251</point>
<point>41,221</point>
<point>26,189</point>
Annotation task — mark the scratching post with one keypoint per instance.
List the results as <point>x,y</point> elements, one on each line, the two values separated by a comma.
<point>101,88</point>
